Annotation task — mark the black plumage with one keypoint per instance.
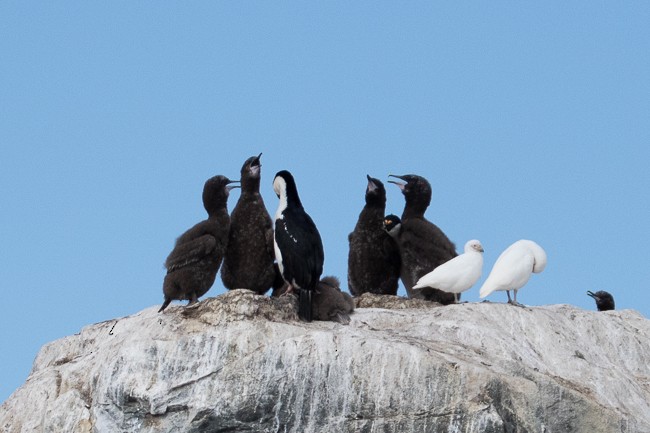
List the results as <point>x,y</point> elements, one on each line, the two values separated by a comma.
<point>330,303</point>
<point>298,245</point>
<point>604,300</point>
<point>422,245</point>
<point>373,258</point>
<point>193,263</point>
<point>248,262</point>
<point>392,225</point>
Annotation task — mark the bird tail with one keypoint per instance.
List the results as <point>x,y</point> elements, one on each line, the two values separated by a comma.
<point>165,304</point>
<point>304,305</point>
<point>485,290</point>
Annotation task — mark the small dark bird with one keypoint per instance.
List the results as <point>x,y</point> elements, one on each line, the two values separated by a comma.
<point>248,262</point>
<point>373,259</point>
<point>298,245</point>
<point>422,245</point>
<point>330,303</point>
<point>193,263</point>
<point>604,300</point>
<point>392,226</point>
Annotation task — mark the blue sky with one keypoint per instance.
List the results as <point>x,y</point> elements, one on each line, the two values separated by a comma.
<point>529,120</point>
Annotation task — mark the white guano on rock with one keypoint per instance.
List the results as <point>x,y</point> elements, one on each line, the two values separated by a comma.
<point>243,362</point>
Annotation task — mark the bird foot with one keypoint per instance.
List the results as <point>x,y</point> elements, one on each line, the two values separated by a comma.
<point>192,304</point>
<point>516,304</point>
<point>288,291</point>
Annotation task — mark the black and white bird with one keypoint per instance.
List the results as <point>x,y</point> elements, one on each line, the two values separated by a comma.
<point>604,300</point>
<point>248,262</point>
<point>393,226</point>
<point>373,257</point>
<point>298,245</point>
<point>422,245</point>
<point>193,263</point>
<point>513,269</point>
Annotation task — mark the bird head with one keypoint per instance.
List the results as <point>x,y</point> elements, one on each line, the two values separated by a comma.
<point>216,191</point>
<point>392,224</point>
<point>474,246</point>
<point>604,300</point>
<point>375,191</point>
<point>416,190</point>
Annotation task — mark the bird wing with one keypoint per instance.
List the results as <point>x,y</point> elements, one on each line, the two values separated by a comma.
<point>190,252</point>
<point>511,270</point>
<point>453,275</point>
<point>301,248</point>
<point>438,248</point>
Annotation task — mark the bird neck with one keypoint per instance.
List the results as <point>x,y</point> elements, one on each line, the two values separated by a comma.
<point>218,213</point>
<point>412,210</point>
<point>375,200</point>
<point>217,208</point>
<point>374,213</point>
<point>250,185</point>
<point>291,197</point>
<point>417,202</point>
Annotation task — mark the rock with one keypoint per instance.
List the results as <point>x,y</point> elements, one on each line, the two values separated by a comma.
<point>241,362</point>
<point>391,302</point>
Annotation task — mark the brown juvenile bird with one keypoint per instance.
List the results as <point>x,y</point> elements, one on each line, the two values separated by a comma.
<point>193,263</point>
<point>330,303</point>
<point>373,258</point>
<point>604,300</point>
<point>422,245</point>
<point>248,262</point>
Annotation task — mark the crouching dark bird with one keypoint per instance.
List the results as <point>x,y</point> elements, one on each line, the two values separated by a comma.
<point>330,303</point>
<point>422,245</point>
<point>604,300</point>
<point>373,258</point>
<point>298,245</point>
<point>248,262</point>
<point>193,263</point>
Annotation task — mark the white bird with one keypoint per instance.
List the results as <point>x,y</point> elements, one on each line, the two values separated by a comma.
<point>458,274</point>
<point>513,268</point>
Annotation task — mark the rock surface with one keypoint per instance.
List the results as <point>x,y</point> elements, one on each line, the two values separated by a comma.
<point>243,363</point>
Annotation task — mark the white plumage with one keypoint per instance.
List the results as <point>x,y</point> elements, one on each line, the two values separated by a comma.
<point>513,268</point>
<point>458,274</point>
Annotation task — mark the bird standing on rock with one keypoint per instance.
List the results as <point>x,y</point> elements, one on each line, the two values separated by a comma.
<point>298,245</point>
<point>193,263</point>
<point>248,262</point>
<point>373,258</point>
<point>604,300</point>
<point>513,268</point>
<point>458,274</point>
<point>422,245</point>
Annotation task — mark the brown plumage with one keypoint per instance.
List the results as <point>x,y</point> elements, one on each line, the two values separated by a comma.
<point>373,258</point>
<point>423,246</point>
<point>330,303</point>
<point>193,263</point>
<point>248,262</point>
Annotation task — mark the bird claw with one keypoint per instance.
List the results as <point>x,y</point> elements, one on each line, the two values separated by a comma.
<point>516,304</point>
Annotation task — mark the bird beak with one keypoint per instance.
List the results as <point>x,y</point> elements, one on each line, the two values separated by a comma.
<point>231,186</point>
<point>591,294</point>
<point>371,183</point>
<point>399,184</point>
